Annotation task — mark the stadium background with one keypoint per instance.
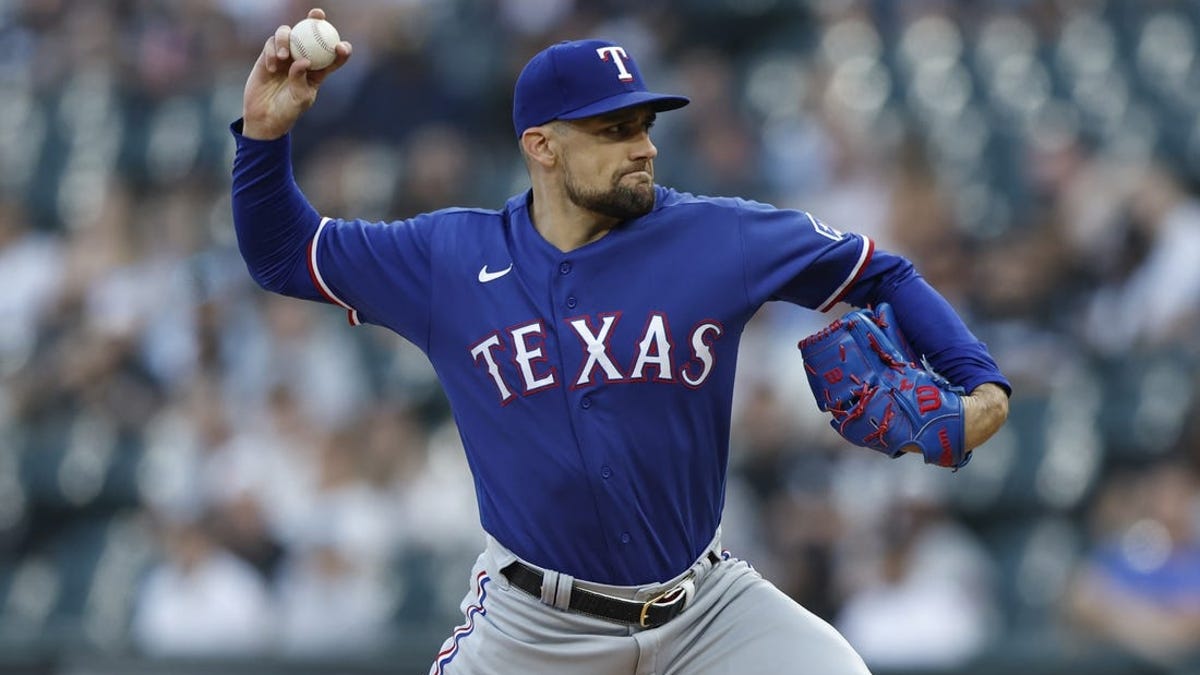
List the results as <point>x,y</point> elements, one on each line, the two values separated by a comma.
<point>196,477</point>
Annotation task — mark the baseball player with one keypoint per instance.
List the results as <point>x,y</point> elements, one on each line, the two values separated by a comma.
<point>586,334</point>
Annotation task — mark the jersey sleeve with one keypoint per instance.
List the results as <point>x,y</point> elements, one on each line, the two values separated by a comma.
<point>929,322</point>
<point>791,255</point>
<point>379,272</point>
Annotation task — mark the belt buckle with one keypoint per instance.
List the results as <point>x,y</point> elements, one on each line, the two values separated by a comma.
<point>682,592</point>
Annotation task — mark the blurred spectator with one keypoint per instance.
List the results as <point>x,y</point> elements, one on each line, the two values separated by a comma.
<point>240,525</point>
<point>439,171</point>
<point>1139,589</point>
<point>331,387</point>
<point>923,225</point>
<point>1020,291</point>
<point>202,601</point>
<point>333,603</point>
<point>724,146</point>
<point>928,600</point>
<point>29,263</point>
<point>423,474</point>
<point>1151,294</point>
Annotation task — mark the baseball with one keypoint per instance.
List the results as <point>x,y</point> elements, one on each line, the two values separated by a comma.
<point>314,39</point>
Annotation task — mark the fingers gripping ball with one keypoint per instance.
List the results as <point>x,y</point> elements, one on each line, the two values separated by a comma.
<point>863,373</point>
<point>315,40</point>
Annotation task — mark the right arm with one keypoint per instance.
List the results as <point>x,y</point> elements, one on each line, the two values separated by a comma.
<point>273,220</point>
<point>379,272</point>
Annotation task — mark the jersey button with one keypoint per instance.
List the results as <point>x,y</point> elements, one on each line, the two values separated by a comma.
<point>625,538</point>
<point>585,403</point>
<point>564,268</point>
<point>571,302</point>
<point>605,472</point>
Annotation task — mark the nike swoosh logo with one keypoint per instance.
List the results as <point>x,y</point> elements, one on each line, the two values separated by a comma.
<point>486,276</point>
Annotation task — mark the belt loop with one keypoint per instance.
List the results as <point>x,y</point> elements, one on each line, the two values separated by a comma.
<point>556,589</point>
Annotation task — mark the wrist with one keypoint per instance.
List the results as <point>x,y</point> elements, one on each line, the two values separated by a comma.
<point>258,131</point>
<point>985,410</point>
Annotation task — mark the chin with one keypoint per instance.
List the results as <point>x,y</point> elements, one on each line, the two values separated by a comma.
<point>643,186</point>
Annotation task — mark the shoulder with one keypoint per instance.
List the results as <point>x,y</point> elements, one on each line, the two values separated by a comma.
<point>452,223</point>
<point>670,198</point>
<point>463,215</point>
<point>475,217</point>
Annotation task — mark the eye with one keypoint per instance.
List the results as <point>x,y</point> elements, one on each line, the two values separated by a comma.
<point>628,128</point>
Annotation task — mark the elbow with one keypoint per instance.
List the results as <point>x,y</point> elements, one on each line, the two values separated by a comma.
<point>283,276</point>
<point>265,281</point>
<point>274,281</point>
<point>276,266</point>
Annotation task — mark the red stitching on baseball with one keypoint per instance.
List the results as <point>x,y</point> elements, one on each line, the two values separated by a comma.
<point>317,36</point>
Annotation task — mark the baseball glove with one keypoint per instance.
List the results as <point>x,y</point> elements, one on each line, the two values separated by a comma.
<point>863,372</point>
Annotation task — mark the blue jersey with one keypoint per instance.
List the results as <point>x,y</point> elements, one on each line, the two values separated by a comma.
<point>592,389</point>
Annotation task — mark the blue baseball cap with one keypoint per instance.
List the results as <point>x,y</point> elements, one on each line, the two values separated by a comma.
<point>575,79</point>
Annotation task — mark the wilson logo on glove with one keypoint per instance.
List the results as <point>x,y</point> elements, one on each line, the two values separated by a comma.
<point>928,398</point>
<point>878,394</point>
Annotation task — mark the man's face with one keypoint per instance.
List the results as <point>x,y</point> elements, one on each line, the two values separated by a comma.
<point>608,162</point>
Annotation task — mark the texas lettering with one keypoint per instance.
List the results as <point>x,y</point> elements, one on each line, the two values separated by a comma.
<point>658,357</point>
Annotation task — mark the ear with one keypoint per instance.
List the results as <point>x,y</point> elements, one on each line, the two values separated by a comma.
<point>538,144</point>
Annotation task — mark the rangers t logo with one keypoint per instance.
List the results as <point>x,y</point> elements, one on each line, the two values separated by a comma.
<point>618,56</point>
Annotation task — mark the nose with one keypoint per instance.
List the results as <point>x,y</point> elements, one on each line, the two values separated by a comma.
<point>644,148</point>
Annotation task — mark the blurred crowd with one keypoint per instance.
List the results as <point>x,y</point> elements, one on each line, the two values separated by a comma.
<point>192,467</point>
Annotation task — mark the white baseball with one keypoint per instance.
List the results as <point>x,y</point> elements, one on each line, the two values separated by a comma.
<point>314,39</point>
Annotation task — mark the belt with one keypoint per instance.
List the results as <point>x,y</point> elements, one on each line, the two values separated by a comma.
<point>650,614</point>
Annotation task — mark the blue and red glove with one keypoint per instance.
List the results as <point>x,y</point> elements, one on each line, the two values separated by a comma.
<point>863,372</point>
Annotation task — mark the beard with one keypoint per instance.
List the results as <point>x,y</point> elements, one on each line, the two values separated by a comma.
<point>621,201</point>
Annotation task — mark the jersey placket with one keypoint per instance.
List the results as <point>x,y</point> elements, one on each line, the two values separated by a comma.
<point>572,304</point>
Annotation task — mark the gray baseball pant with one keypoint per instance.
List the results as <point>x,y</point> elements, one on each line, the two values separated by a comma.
<point>736,622</point>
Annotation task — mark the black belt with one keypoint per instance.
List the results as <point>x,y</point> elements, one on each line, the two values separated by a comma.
<point>650,614</point>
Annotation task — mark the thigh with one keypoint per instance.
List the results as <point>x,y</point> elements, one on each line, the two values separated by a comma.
<point>507,631</point>
<point>744,624</point>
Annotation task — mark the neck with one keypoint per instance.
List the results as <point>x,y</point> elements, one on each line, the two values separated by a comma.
<point>565,225</point>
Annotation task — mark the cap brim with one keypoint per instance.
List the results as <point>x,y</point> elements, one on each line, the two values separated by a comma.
<point>659,102</point>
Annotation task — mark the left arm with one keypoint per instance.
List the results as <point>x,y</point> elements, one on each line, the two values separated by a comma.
<point>935,331</point>
<point>792,256</point>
